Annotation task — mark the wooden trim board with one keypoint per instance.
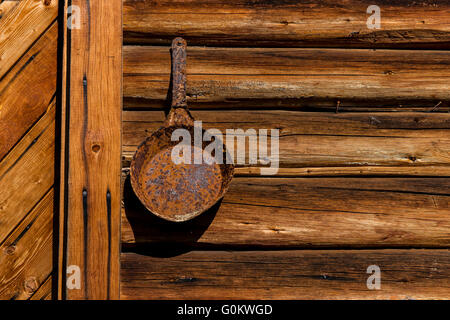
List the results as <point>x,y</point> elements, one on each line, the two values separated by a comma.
<point>91,150</point>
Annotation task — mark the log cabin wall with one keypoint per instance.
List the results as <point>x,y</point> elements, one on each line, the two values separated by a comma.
<point>28,78</point>
<point>364,166</point>
<point>364,148</point>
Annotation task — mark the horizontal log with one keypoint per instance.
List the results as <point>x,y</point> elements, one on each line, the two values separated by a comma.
<point>326,23</point>
<point>26,255</point>
<point>28,89</point>
<point>291,78</point>
<point>317,139</point>
<point>342,274</point>
<point>306,212</point>
<point>416,171</point>
<point>27,173</point>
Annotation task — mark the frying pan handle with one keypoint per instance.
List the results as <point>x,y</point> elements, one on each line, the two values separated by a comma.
<point>179,73</point>
<point>179,114</point>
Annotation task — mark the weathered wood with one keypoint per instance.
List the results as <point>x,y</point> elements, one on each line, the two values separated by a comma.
<point>90,185</point>
<point>325,23</point>
<point>423,171</point>
<point>6,7</point>
<point>405,274</point>
<point>21,27</point>
<point>317,139</point>
<point>307,212</point>
<point>28,90</point>
<point>45,291</point>
<point>26,255</point>
<point>291,78</point>
<point>27,173</point>
<point>60,272</point>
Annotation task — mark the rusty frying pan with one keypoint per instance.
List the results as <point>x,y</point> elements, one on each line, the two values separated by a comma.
<point>177,192</point>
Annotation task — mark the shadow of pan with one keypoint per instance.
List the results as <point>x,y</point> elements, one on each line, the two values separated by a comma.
<point>159,237</point>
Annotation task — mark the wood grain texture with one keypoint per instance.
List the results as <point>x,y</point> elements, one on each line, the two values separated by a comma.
<point>317,139</point>
<point>60,268</point>
<point>28,90</point>
<point>45,291</point>
<point>21,27</point>
<point>414,171</point>
<point>307,212</point>
<point>356,176</point>
<point>6,6</point>
<point>405,274</point>
<point>325,23</point>
<point>291,78</point>
<point>26,255</point>
<point>92,148</point>
<point>27,173</point>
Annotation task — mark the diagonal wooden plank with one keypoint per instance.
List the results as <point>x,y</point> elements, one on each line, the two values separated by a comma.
<point>45,291</point>
<point>27,173</point>
<point>7,6</point>
<point>26,255</point>
<point>27,90</point>
<point>21,27</point>
<point>91,146</point>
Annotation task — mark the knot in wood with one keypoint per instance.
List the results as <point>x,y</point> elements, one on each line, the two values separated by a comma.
<point>30,285</point>
<point>10,250</point>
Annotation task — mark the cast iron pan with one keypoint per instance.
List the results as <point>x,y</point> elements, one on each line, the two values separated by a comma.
<point>177,192</point>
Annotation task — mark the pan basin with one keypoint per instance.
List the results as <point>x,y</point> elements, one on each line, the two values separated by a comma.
<point>176,192</point>
<point>179,189</point>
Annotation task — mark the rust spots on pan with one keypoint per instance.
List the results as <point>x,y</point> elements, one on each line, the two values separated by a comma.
<point>175,189</point>
<point>177,192</point>
<point>179,73</point>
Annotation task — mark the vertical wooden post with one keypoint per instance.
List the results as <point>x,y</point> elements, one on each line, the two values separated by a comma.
<point>91,151</point>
